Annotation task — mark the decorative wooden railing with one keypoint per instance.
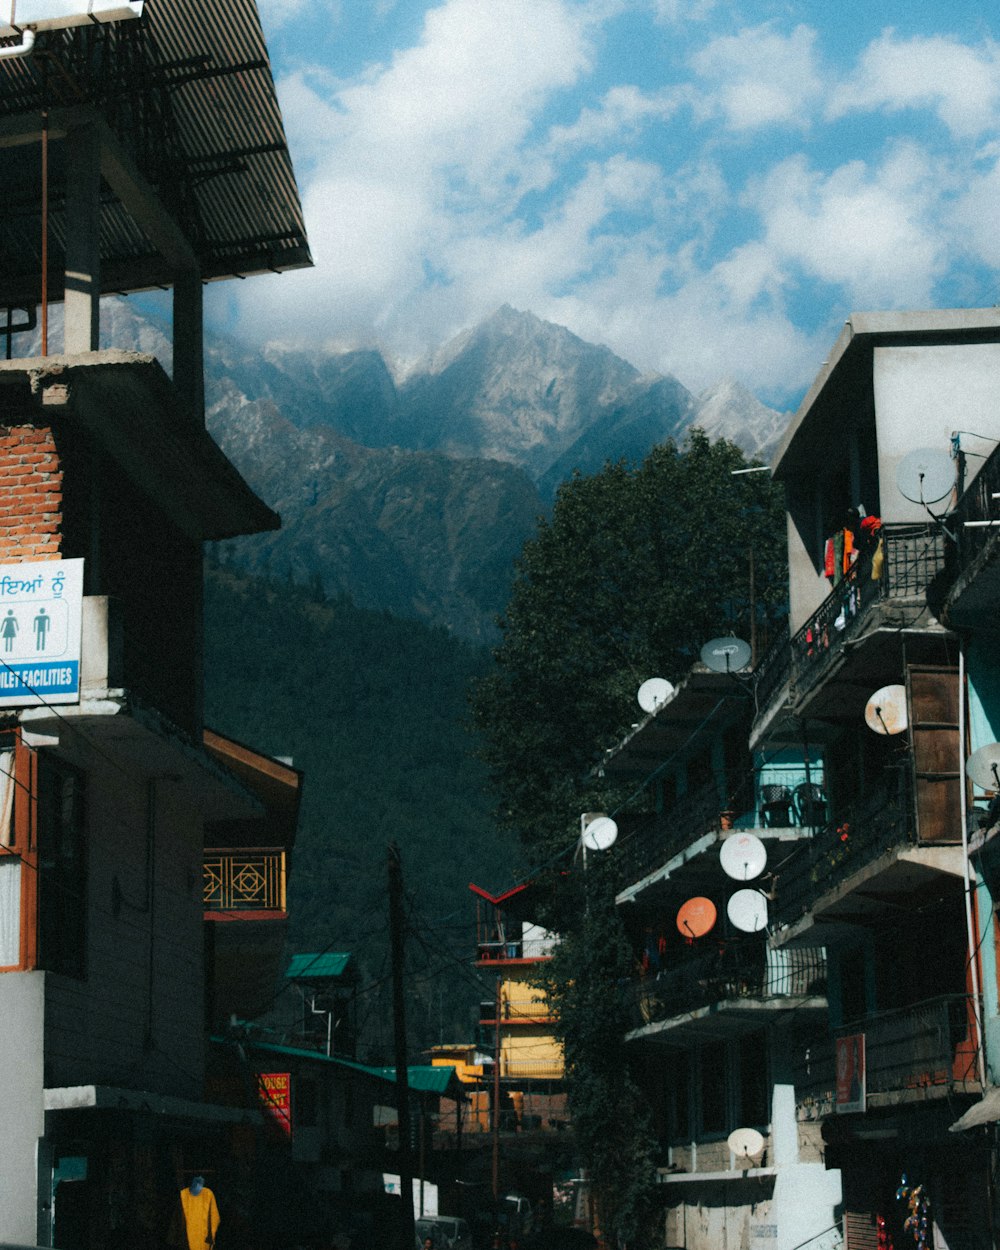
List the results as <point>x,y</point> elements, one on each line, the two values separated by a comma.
<point>245,880</point>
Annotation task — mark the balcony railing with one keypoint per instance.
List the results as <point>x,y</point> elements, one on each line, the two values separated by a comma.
<point>770,798</point>
<point>914,555</point>
<point>925,1046</point>
<point>531,1069</point>
<point>978,503</point>
<point>246,880</point>
<point>882,818</point>
<point>748,971</point>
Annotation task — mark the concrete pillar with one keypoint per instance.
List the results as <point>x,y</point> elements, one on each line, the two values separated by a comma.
<point>189,356</point>
<point>83,240</point>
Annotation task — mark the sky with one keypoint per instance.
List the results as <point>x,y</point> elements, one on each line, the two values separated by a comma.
<point>707,187</point>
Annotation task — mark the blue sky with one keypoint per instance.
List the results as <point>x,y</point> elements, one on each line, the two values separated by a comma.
<point>709,188</point>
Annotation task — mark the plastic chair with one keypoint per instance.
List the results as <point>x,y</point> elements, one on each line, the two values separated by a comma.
<point>810,804</point>
<point>775,807</point>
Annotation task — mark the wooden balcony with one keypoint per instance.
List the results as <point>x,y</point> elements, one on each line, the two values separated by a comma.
<point>245,884</point>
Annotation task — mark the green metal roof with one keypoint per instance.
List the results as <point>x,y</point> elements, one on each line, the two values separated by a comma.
<point>323,966</point>
<point>422,1078</point>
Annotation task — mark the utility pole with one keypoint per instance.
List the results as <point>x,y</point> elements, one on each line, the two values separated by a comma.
<point>396,926</point>
<point>496,1101</point>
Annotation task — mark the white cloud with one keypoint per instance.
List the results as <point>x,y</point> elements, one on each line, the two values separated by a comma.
<point>623,111</point>
<point>960,83</point>
<point>277,13</point>
<point>759,77</point>
<point>870,231</point>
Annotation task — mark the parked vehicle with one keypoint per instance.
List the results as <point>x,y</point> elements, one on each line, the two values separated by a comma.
<point>448,1232</point>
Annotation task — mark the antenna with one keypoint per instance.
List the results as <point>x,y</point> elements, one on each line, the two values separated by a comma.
<point>600,833</point>
<point>925,476</point>
<point>726,655</point>
<point>743,856</point>
<point>696,917</point>
<point>885,711</point>
<point>983,767</point>
<point>747,910</point>
<point>654,693</point>
<point>746,1144</point>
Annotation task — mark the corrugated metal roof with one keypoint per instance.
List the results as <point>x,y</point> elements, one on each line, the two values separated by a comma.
<point>314,967</point>
<point>188,93</point>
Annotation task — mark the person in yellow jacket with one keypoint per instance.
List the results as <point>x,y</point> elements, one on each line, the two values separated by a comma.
<point>201,1214</point>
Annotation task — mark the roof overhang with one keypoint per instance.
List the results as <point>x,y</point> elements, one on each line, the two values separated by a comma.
<point>847,373</point>
<point>196,171</point>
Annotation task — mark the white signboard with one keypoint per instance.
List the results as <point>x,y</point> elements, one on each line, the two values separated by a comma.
<point>51,14</point>
<point>41,607</point>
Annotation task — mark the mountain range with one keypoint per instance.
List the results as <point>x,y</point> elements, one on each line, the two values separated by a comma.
<point>412,490</point>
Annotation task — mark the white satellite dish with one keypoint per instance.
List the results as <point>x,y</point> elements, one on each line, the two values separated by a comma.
<point>983,767</point>
<point>726,655</point>
<point>746,1143</point>
<point>654,693</point>
<point>743,856</point>
<point>885,711</point>
<point>747,910</point>
<point>600,834</point>
<point>925,476</point>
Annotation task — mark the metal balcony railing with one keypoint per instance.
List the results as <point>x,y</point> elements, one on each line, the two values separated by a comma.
<point>929,1044</point>
<point>914,555</point>
<point>531,1069</point>
<point>758,800</point>
<point>882,818</point>
<point>746,971</point>
<point>246,880</point>
<point>978,503</point>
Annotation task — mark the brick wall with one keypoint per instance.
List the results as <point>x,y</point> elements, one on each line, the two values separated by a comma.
<point>30,494</point>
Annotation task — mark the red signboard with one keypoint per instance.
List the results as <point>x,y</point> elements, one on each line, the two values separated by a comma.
<point>851,1073</point>
<point>274,1089</point>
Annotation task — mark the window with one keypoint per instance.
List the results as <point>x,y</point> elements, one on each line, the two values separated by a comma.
<point>713,1088</point>
<point>62,868</point>
<point>754,1086</point>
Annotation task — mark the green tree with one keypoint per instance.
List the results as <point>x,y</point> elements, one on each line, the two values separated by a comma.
<point>587,983</point>
<point>637,568</point>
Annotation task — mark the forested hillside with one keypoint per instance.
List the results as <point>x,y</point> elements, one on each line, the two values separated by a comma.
<point>373,710</point>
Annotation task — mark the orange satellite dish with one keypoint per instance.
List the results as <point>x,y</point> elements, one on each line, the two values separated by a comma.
<point>696,917</point>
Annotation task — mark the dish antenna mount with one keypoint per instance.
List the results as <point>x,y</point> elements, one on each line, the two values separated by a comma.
<point>885,711</point>
<point>983,767</point>
<point>743,856</point>
<point>726,655</point>
<point>654,693</point>
<point>926,476</point>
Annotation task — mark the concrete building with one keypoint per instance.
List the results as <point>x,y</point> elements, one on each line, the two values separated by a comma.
<point>107,476</point>
<point>849,1032</point>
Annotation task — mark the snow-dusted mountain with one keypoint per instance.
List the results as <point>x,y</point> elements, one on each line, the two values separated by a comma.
<point>414,491</point>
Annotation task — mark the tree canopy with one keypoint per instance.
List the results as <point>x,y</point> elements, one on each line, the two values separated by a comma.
<point>636,569</point>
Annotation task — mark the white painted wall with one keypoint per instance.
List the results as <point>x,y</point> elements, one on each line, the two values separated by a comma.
<point>922,395</point>
<point>22,1013</point>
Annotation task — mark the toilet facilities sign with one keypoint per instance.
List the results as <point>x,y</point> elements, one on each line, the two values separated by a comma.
<point>41,608</point>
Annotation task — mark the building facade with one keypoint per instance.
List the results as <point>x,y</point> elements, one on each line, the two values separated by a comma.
<point>108,475</point>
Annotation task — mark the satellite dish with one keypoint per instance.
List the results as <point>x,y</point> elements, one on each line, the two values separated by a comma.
<point>726,655</point>
<point>600,834</point>
<point>747,909</point>
<point>926,475</point>
<point>743,856</point>
<point>654,693</point>
<point>746,1143</point>
<point>983,766</point>
<point>885,711</point>
<point>696,917</point>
